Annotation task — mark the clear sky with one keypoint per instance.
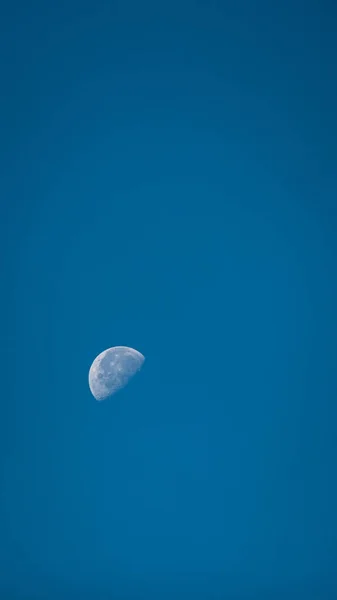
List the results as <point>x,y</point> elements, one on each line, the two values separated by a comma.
<point>168,182</point>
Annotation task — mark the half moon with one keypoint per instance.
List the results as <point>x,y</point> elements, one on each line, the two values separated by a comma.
<point>112,370</point>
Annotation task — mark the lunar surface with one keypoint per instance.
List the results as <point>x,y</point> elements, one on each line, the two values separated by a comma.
<point>112,370</point>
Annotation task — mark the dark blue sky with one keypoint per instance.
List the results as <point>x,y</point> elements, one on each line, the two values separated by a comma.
<point>168,176</point>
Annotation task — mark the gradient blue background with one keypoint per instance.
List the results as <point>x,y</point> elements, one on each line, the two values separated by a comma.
<point>169,182</point>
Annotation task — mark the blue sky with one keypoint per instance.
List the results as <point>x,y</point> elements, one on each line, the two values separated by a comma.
<point>169,183</point>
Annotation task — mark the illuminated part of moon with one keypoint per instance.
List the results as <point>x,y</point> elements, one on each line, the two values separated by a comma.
<point>112,370</point>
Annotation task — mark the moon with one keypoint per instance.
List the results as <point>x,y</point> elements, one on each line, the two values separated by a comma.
<point>112,370</point>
